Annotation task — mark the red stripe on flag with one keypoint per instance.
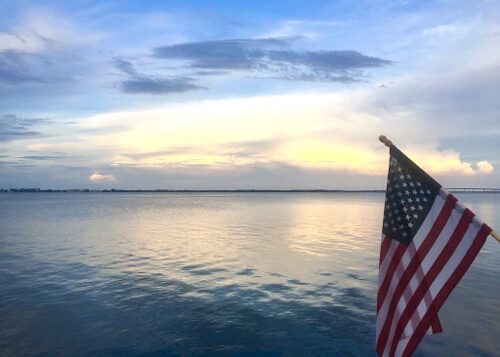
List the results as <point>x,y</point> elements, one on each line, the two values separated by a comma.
<point>391,269</point>
<point>448,288</point>
<point>436,325</point>
<point>432,274</point>
<point>384,248</point>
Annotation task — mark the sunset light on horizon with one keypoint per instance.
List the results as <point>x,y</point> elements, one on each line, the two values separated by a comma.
<point>236,95</point>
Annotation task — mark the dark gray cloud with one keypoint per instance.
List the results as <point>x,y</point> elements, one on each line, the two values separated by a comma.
<point>320,76</point>
<point>16,164</point>
<point>143,84</point>
<point>223,54</point>
<point>13,127</point>
<point>125,66</point>
<point>148,85</point>
<point>41,157</point>
<point>209,73</point>
<point>272,57</point>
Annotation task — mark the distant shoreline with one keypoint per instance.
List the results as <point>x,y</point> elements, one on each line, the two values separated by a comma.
<point>113,190</point>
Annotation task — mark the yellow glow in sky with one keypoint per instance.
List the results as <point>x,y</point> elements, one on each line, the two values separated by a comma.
<point>307,131</point>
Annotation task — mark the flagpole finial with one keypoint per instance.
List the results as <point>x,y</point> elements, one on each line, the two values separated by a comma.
<point>386,141</point>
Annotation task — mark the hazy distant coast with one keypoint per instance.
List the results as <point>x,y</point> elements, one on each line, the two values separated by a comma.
<point>115,190</point>
<point>112,190</point>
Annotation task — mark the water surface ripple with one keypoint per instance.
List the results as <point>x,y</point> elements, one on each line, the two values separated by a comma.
<point>203,274</point>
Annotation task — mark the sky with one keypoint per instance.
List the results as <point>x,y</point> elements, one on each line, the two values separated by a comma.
<point>247,94</point>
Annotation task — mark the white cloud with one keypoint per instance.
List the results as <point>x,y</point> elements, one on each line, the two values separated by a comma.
<point>441,162</point>
<point>41,30</point>
<point>485,167</point>
<point>444,30</point>
<point>25,41</point>
<point>97,178</point>
<point>58,28</point>
<point>333,132</point>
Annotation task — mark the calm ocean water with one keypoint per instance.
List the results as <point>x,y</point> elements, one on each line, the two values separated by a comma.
<point>215,274</point>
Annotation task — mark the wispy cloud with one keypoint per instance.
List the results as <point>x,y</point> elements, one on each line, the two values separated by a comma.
<point>13,127</point>
<point>304,28</point>
<point>222,54</point>
<point>248,149</point>
<point>25,41</point>
<point>273,58</point>
<point>148,155</point>
<point>41,157</point>
<point>243,149</point>
<point>13,70</point>
<point>151,85</point>
<point>141,83</point>
<point>125,66</point>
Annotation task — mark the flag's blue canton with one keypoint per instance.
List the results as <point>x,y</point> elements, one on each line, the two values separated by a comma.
<point>408,200</point>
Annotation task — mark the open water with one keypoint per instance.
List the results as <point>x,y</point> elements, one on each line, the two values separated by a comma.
<point>215,274</point>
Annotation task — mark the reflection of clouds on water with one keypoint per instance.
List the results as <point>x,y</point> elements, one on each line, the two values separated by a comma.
<point>133,314</point>
<point>176,275</point>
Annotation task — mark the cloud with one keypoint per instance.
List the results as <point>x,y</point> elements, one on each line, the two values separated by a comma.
<point>41,45</point>
<point>226,153</point>
<point>148,155</point>
<point>151,85</point>
<point>24,41</point>
<point>444,30</point>
<point>98,178</point>
<point>273,58</point>
<point>13,127</point>
<point>437,107</point>
<point>143,84</point>
<point>42,29</point>
<point>13,69</point>
<point>125,66</point>
<point>256,149</point>
<point>485,167</point>
<point>41,157</point>
<point>237,134</point>
<point>339,135</point>
<point>304,28</point>
<point>221,54</point>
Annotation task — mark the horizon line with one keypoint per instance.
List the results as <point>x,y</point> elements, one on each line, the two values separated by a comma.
<point>116,190</point>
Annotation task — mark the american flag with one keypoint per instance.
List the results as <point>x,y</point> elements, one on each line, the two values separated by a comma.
<point>429,240</point>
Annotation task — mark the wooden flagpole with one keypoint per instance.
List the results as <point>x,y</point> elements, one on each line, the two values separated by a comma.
<point>495,235</point>
<point>388,143</point>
